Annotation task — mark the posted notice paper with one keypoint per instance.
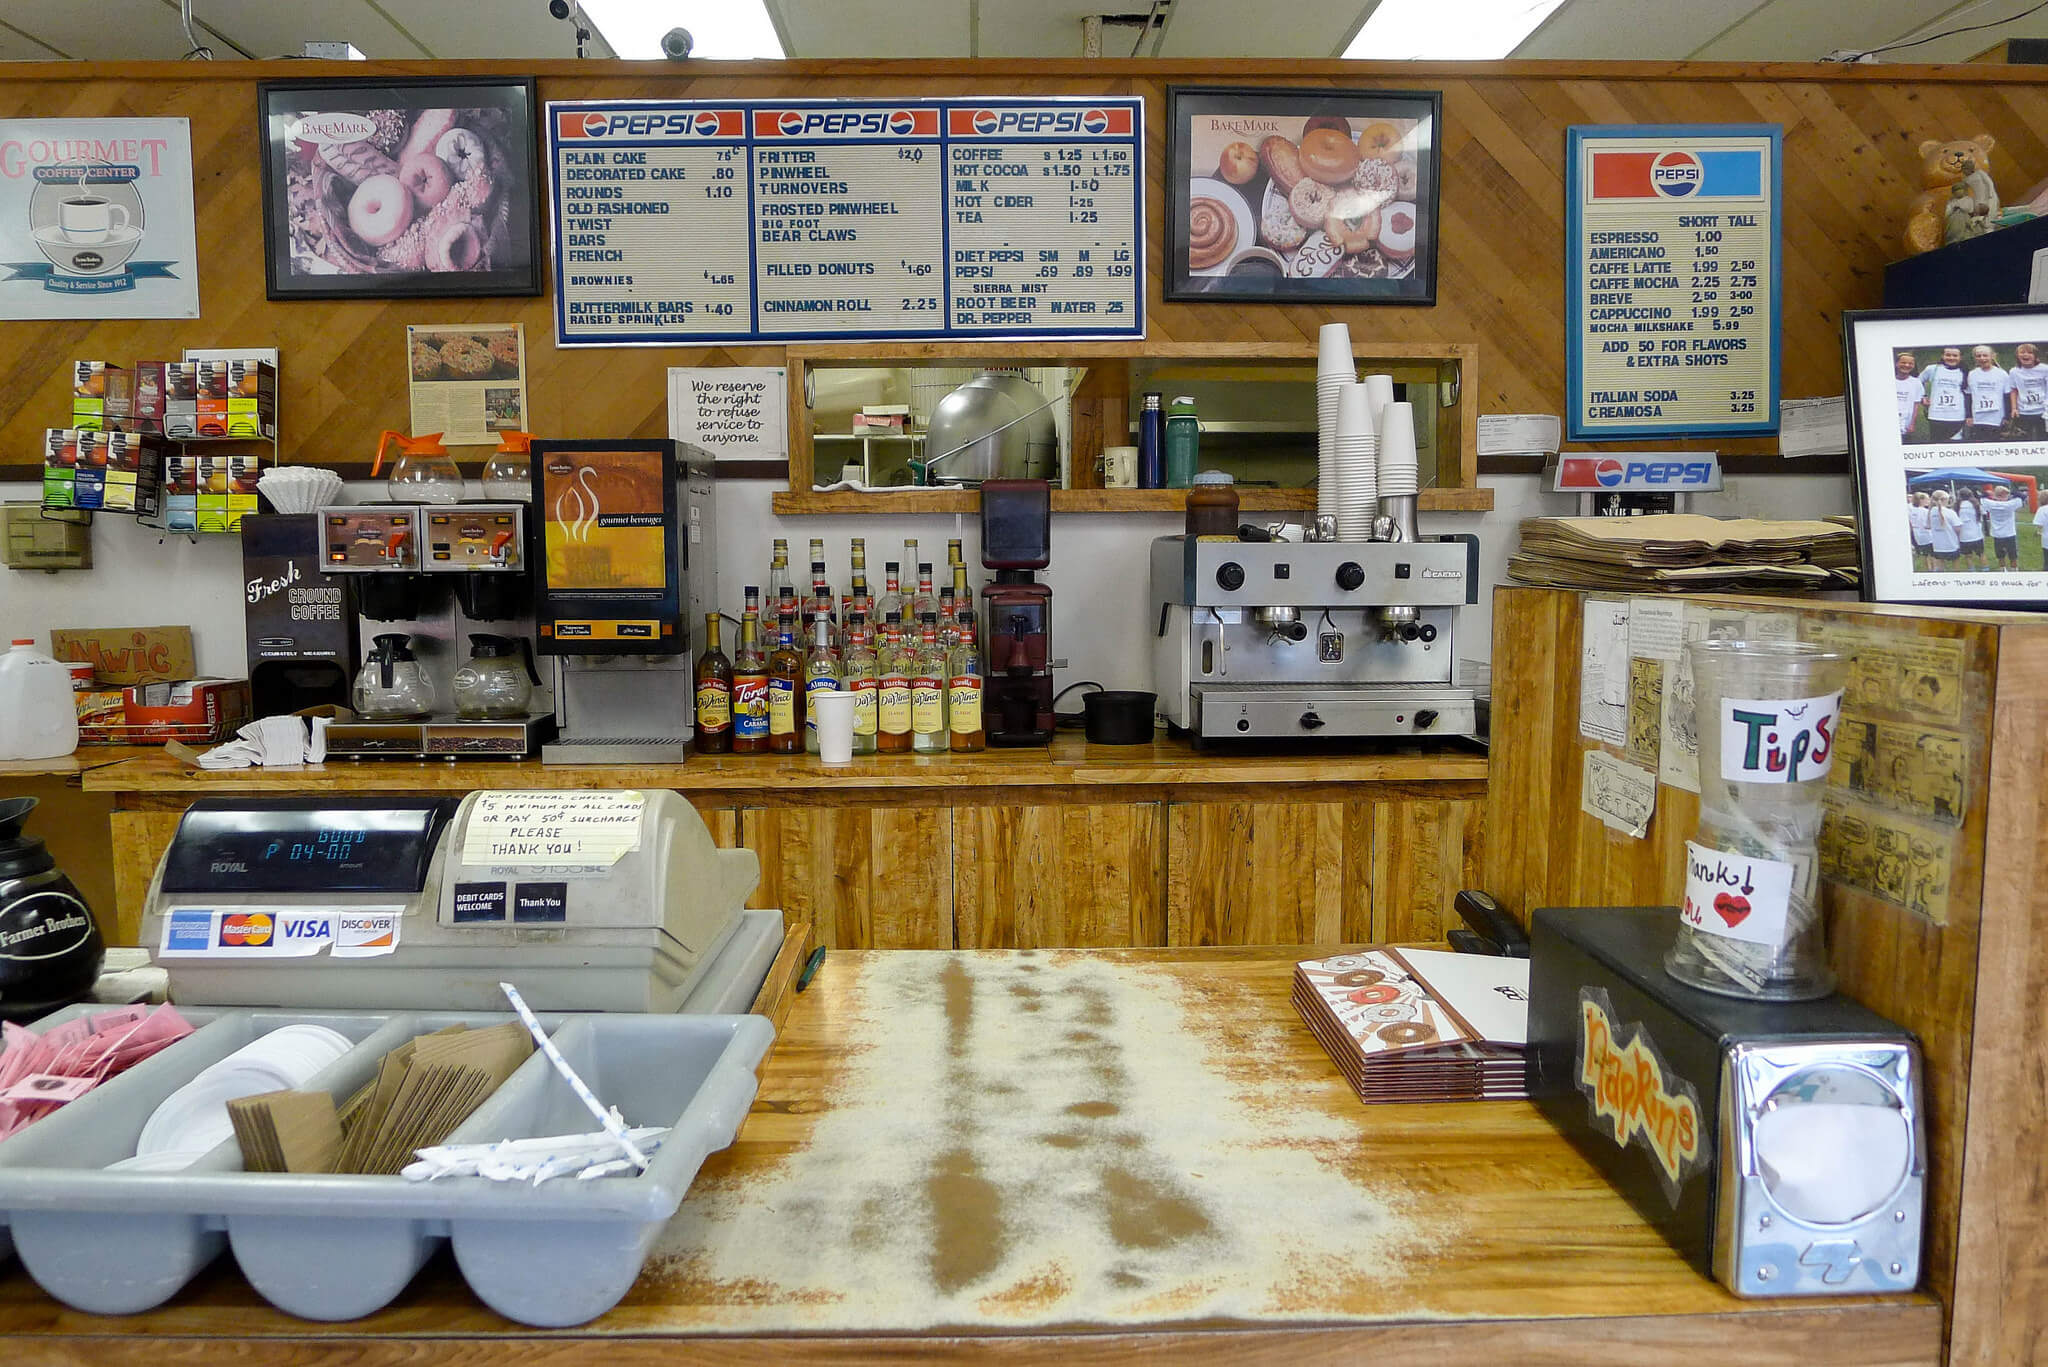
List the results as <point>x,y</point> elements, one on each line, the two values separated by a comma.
<point>468,381</point>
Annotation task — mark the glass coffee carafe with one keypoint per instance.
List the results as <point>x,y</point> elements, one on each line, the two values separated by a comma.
<point>497,681</point>
<point>392,685</point>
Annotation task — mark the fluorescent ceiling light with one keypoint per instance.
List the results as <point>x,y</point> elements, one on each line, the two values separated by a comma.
<point>734,30</point>
<point>1430,30</point>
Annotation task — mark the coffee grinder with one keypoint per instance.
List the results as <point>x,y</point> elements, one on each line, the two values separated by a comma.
<point>300,623</point>
<point>1016,539</point>
<point>436,574</point>
<point>627,561</point>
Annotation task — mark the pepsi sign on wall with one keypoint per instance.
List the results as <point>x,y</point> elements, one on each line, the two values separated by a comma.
<point>1672,281</point>
<point>682,221</point>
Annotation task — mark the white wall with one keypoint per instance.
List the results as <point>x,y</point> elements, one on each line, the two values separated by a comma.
<point>141,578</point>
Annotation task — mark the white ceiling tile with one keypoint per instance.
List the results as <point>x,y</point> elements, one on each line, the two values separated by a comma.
<point>874,28</point>
<point>107,30</point>
<point>1808,30</point>
<point>268,28</point>
<point>1232,28</point>
<point>1628,30</point>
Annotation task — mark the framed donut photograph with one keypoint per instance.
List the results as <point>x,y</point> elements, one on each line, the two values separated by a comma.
<point>400,189</point>
<point>1317,195</point>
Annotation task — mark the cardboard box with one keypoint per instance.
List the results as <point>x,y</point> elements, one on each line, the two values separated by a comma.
<point>71,448</point>
<point>89,378</point>
<point>250,378</point>
<point>181,381</point>
<point>124,656</point>
<point>163,710</point>
<point>181,513</point>
<point>101,714</point>
<point>59,490</point>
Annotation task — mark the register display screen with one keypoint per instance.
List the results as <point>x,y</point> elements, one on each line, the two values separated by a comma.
<point>305,845</point>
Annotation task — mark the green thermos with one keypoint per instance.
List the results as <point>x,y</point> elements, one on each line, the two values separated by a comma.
<point>1183,443</point>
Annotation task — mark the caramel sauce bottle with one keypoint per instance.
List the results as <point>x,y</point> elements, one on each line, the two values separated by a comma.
<point>786,690</point>
<point>750,685</point>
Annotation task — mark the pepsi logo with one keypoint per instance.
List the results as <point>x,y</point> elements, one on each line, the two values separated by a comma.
<point>594,125</point>
<point>1676,174</point>
<point>1095,121</point>
<point>902,122</point>
<point>705,123</point>
<point>1608,472</point>
<point>251,929</point>
<point>790,123</point>
<point>985,121</point>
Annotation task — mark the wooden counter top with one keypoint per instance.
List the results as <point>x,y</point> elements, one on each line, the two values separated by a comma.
<point>1069,760</point>
<point>80,761</point>
<point>1489,1240</point>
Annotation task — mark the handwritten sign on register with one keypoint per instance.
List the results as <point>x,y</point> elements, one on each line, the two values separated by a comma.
<point>581,829</point>
<point>734,412</point>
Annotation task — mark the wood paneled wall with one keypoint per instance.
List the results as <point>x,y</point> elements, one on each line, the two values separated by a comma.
<point>1964,986</point>
<point>1851,167</point>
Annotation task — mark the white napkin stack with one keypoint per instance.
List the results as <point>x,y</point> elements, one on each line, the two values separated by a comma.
<point>270,742</point>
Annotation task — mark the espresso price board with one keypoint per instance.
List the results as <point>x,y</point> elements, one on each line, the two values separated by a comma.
<point>685,221</point>
<point>1672,281</point>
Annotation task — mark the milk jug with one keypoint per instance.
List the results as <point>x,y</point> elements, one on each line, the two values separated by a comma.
<point>38,719</point>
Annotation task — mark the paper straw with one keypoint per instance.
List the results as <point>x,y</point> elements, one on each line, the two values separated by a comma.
<point>613,1126</point>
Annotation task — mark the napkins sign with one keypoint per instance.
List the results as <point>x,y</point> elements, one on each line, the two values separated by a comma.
<point>543,829</point>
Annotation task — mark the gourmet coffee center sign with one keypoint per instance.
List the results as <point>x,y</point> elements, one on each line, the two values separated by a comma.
<point>700,221</point>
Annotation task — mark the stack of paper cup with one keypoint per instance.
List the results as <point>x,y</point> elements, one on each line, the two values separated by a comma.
<point>1380,389</point>
<point>1334,368</point>
<point>1353,451</point>
<point>1399,481</point>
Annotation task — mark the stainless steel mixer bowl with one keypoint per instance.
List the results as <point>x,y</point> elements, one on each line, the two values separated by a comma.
<point>998,425</point>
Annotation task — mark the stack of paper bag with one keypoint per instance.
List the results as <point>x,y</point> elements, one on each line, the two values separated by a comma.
<point>424,1089</point>
<point>1685,553</point>
<point>1420,1024</point>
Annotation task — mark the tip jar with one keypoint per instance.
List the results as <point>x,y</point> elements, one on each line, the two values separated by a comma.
<point>1750,916</point>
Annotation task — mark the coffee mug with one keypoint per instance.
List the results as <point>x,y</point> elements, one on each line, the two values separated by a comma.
<point>90,220</point>
<point>1119,467</point>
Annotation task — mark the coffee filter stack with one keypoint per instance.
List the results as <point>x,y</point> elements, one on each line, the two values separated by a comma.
<point>1334,370</point>
<point>299,488</point>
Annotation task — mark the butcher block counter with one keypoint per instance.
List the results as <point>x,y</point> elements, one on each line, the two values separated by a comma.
<point>1070,845</point>
<point>1078,1157</point>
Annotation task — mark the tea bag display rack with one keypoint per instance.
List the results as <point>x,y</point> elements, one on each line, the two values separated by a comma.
<point>264,451</point>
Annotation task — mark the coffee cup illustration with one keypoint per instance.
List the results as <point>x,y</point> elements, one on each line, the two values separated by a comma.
<point>90,219</point>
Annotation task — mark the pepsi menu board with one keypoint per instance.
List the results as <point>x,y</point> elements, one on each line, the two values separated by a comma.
<point>681,221</point>
<point>1672,281</point>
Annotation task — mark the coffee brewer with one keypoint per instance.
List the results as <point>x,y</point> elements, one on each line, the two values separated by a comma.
<point>1264,640</point>
<point>627,560</point>
<point>300,623</point>
<point>1016,539</point>
<point>435,575</point>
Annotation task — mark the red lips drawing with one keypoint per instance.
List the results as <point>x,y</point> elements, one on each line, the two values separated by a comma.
<point>1731,908</point>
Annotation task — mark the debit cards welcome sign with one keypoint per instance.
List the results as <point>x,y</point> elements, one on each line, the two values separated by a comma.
<point>1672,281</point>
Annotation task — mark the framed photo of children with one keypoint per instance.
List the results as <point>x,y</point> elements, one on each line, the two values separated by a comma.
<point>399,189</point>
<point>1948,415</point>
<point>1326,195</point>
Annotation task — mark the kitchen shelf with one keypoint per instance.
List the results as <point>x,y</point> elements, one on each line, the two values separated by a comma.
<point>1249,500</point>
<point>1101,406</point>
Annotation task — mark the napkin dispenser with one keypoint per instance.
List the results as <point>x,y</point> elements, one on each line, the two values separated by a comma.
<point>588,900</point>
<point>1781,1147</point>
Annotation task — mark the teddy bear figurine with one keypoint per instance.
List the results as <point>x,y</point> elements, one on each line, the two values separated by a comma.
<point>1960,200</point>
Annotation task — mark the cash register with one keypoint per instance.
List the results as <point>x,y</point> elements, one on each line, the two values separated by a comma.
<point>589,900</point>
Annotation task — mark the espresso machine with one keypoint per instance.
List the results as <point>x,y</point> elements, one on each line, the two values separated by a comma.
<point>427,580</point>
<point>626,563</point>
<point>1310,641</point>
<point>1016,540</point>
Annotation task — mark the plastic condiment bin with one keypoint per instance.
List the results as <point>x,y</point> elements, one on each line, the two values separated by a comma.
<point>331,1247</point>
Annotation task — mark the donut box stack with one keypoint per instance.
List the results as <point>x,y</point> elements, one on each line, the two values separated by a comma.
<point>1420,1025</point>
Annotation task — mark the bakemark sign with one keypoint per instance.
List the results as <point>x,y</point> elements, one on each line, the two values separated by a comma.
<point>1626,1087</point>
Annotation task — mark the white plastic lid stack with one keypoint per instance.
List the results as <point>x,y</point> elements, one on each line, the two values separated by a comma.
<point>38,719</point>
